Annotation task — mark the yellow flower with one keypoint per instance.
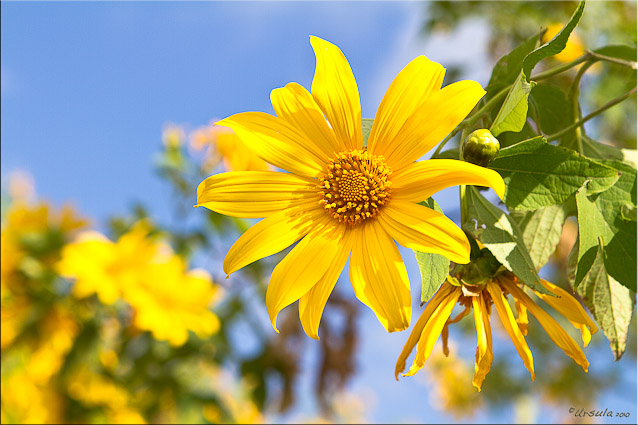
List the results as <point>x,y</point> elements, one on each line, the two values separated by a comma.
<point>574,47</point>
<point>167,299</point>
<point>222,143</point>
<point>340,198</point>
<point>480,298</point>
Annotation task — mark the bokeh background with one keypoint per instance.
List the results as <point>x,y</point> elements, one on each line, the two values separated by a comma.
<point>106,108</point>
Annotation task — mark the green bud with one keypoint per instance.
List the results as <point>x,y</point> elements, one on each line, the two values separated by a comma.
<point>480,147</point>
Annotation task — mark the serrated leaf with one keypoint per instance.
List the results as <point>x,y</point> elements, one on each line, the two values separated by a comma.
<point>555,45</point>
<point>600,217</point>
<point>610,302</point>
<point>541,232</point>
<point>509,66</point>
<point>538,174</point>
<point>500,234</point>
<point>366,127</point>
<point>513,112</point>
<point>434,267</point>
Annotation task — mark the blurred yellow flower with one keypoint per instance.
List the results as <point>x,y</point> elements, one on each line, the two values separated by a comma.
<point>574,48</point>
<point>220,143</point>
<point>342,199</point>
<point>25,402</point>
<point>95,390</point>
<point>166,299</point>
<point>480,298</point>
<point>33,231</point>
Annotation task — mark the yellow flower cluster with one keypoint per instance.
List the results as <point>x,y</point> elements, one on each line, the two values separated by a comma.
<point>166,299</point>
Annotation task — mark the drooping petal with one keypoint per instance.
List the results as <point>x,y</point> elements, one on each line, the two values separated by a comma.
<point>551,326</point>
<point>484,354</point>
<point>303,267</point>
<point>254,194</point>
<point>522,320</point>
<point>275,141</point>
<point>432,330</point>
<point>417,330</point>
<point>294,104</point>
<point>510,325</point>
<point>379,277</point>
<point>335,90</point>
<point>411,87</point>
<point>420,180</point>
<point>274,234</point>
<point>568,306</point>
<point>433,120</point>
<point>311,305</point>
<point>425,230</point>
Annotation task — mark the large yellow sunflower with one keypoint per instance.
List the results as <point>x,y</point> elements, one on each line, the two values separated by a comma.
<point>341,199</point>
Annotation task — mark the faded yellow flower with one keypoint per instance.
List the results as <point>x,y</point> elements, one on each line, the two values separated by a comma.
<point>166,299</point>
<point>340,199</point>
<point>220,143</point>
<point>480,298</point>
<point>574,47</point>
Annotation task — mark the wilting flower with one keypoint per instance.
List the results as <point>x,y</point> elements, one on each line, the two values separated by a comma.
<point>220,143</point>
<point>480,298</point>
<point>341,198</point>
<point>166,299</point>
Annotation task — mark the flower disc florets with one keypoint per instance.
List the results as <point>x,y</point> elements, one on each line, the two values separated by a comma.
<point>355,186</point>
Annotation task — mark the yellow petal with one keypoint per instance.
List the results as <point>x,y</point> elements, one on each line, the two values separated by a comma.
<point>425,230</point>
<point>510,325</point>
<point>273,234</point>
<point>433,120</point>
<point>294,104</point>
<point>254,194</point>
<point>432,330</point>
<point>420,180</point>
<point>551,326</point>
<point>303,267</point>
<point>311,305</point>
<point>275,141</point>
<point>378,276</point>
<point>484,354</point>
<point>415,335</point>
<point>335,90</point>
<point>411,87</point>
<point>522,320</point>
<point>570,307</point>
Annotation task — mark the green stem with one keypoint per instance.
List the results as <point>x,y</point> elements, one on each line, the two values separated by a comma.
<point>574,94</point>
<point>593,114</point>
<point>559,69</point>
<point>463,188</point>
<point>631,64</point>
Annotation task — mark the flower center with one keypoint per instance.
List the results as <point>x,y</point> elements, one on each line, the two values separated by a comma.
<point>355,186</point>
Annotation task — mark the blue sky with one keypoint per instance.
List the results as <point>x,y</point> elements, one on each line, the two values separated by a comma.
<point>88,87</point>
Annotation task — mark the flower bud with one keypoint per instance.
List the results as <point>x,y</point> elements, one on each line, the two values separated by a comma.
<point>480,147</point>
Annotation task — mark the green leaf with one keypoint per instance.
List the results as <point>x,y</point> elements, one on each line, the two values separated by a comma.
<point>597,150</point>
<point>551,107</point>
<point>434,267</point>
<point>366,126</point>
<point>513,112</point>
<point>600,218</point>
<point>610,302</point>
<point>499,233</point>
<point>618,51</point>
<point>541,232</point>
<point>538,174</point>
<point>509,66</point>
<point>553,46</point>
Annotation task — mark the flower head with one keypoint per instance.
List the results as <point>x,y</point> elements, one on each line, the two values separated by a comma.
<point>341,199</point>
<point>480,299</point>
